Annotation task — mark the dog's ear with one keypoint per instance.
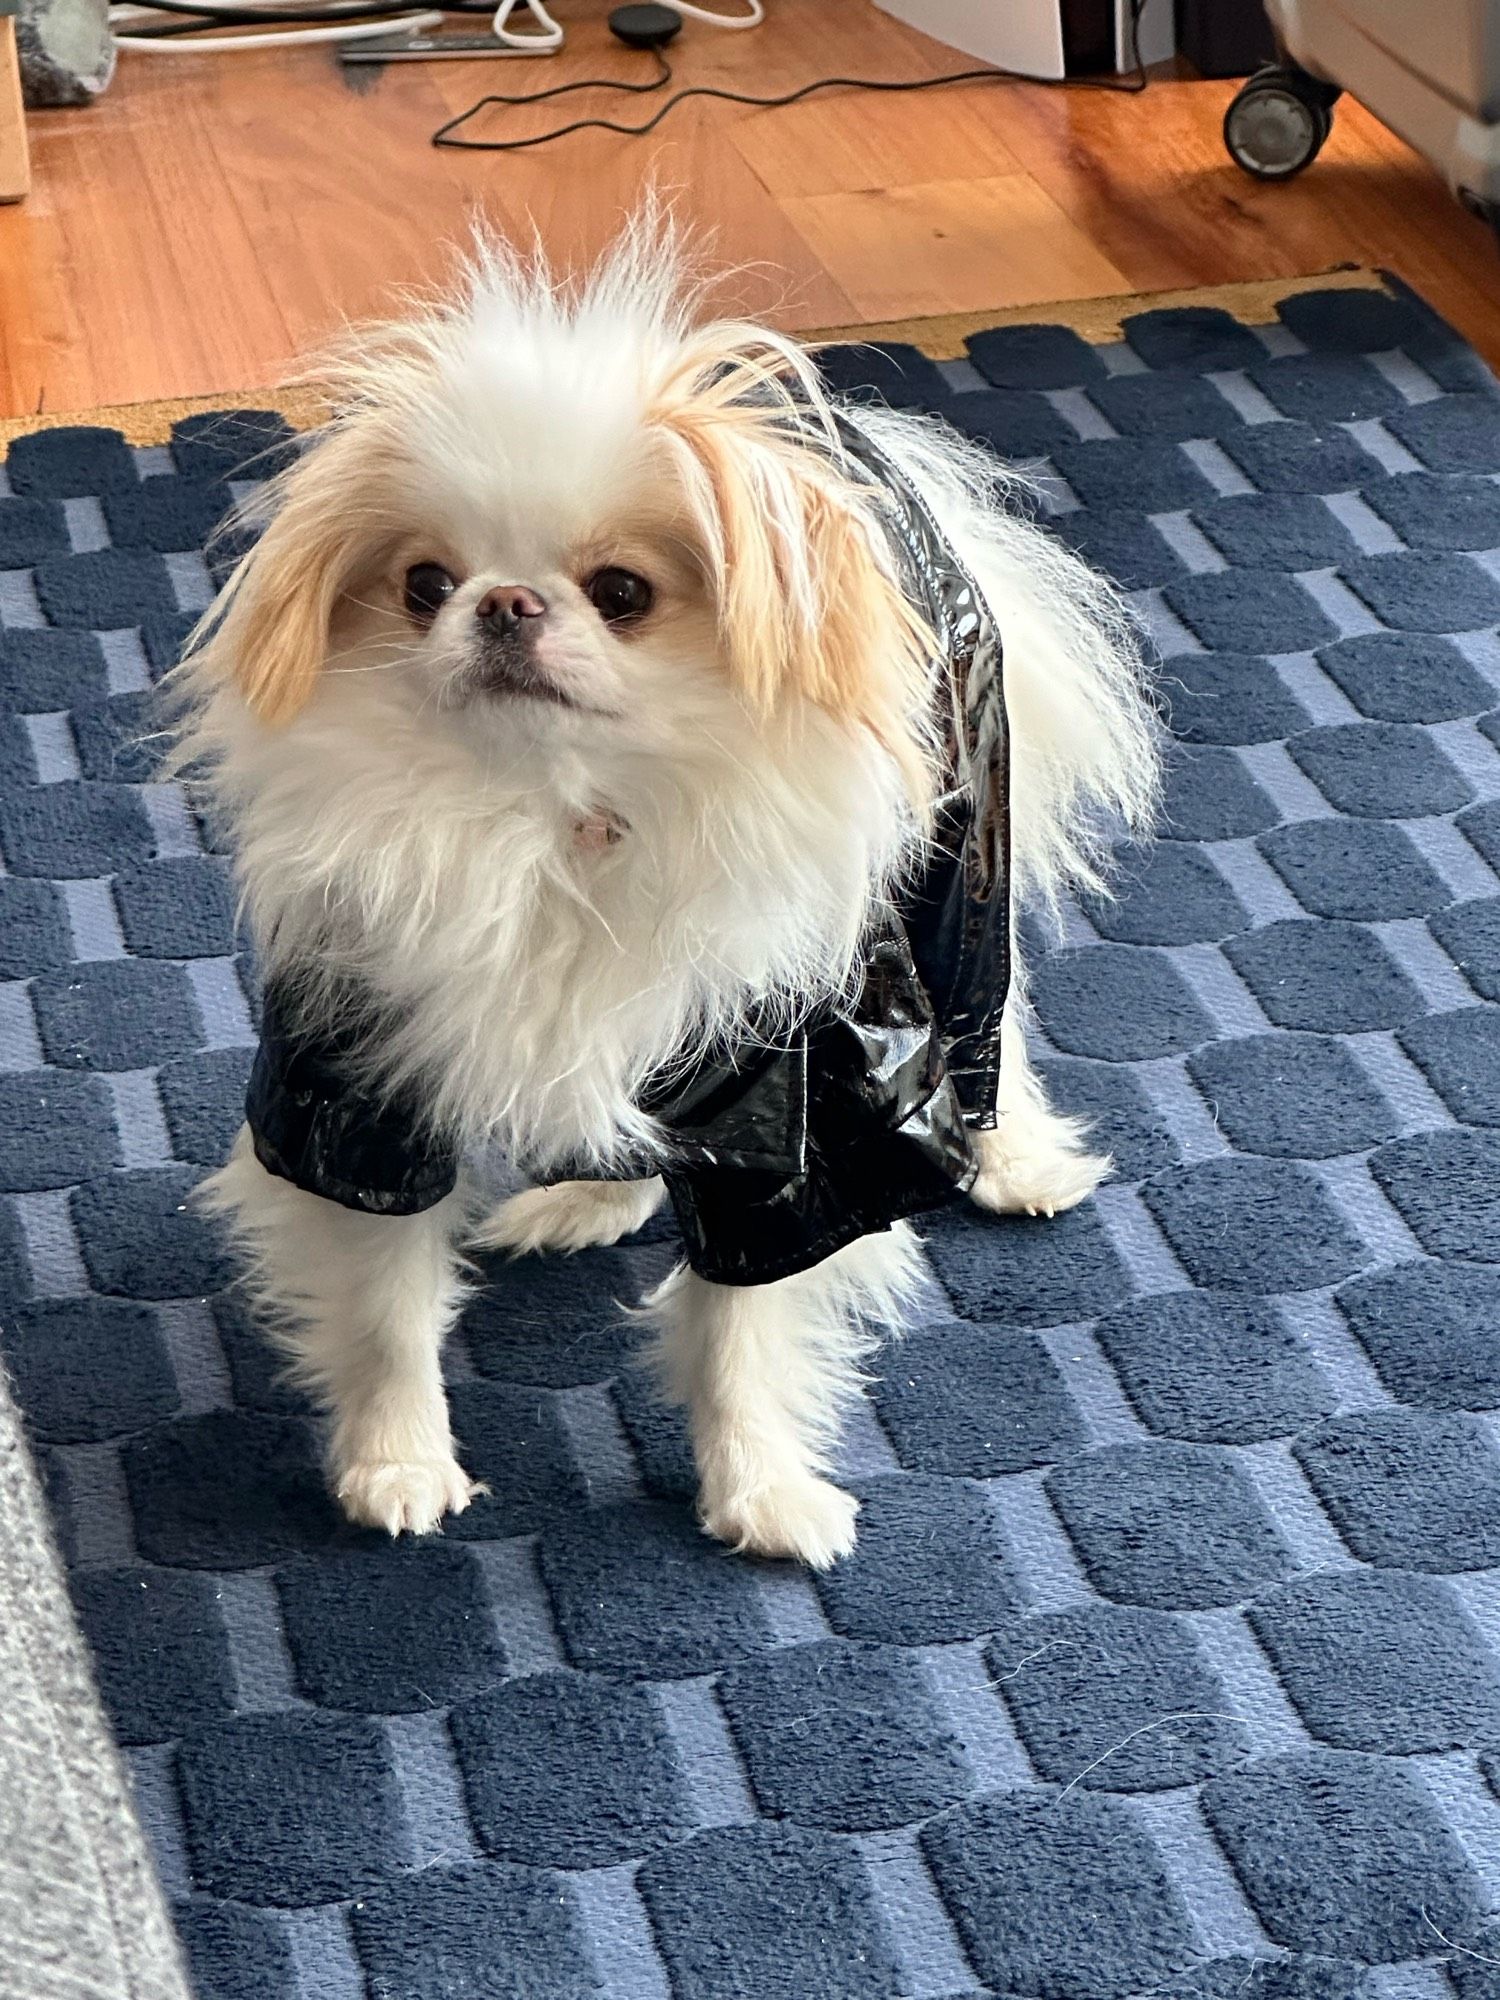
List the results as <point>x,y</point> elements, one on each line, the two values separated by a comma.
<point>269,630</point>
<point>808,600</point>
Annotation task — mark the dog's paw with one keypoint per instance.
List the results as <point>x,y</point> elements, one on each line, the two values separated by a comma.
<point>404,1497</point>
<point>1039,1186</point>
<point>807,1520</point>
<point>1032,1164</point>
<point>573,1215</point>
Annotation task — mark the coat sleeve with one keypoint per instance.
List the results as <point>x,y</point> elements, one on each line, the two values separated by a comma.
<point>884,1138</point>
<point>958,921</point>
<point>312,1124</point>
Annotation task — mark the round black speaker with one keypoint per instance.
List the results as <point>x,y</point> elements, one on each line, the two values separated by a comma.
<point>645,26</point>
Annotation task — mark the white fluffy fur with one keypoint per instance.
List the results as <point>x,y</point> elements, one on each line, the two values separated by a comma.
<point>389,827</point>
<point>763,1371</point>
<point>361,1304</point>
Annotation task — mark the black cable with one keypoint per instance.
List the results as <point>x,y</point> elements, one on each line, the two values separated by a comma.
<point>201,16</point>
<point>205,26</point>
<point>441,137</point>
<point>205,14</point>
<point>1137,8</point>
<point>663,75</point>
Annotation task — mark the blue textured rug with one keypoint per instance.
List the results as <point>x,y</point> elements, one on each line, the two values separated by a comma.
<point>1170,1658</point>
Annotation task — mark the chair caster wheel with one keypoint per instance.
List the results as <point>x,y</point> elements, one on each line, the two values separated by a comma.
<point>1278,122</point>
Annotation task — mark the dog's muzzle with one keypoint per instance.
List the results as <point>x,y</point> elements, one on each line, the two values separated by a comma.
<point>511,618</point>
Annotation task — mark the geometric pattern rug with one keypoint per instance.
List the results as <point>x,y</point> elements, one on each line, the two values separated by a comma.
<point>1169,1659</point>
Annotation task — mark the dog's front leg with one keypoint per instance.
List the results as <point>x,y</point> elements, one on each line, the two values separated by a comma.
<point>361,1304</point>
<point>764,1372</point>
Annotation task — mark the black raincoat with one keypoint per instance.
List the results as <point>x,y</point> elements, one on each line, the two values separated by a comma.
<point>785,1146</point>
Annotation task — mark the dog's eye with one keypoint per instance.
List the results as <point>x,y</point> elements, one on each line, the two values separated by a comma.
<point>619,594</point>
<point>428,588</point>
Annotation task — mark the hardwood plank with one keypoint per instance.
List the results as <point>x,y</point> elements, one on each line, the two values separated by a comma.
<point>15,156</point>
<point>186,231</point>
<point>339,229</point>
<point>160,291</point>
<point>35,324</point>
<point>851,141</point>
<point>951,246</point>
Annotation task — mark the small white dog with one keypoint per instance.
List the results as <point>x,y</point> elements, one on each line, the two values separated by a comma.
<point>611,737</point>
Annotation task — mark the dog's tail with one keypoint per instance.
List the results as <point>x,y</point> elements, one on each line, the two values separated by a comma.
<point>1085,738</point>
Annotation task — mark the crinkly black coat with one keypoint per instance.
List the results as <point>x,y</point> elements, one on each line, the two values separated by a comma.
<point>780,1149</point>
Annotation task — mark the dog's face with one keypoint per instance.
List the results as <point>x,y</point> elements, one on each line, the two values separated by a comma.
<point>575,527</point>
<point>546,586</point>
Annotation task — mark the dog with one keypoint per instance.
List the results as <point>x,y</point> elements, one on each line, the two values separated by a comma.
<point>636,760</point>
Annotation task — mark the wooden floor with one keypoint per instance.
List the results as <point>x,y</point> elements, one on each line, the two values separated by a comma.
<point>212,218</point>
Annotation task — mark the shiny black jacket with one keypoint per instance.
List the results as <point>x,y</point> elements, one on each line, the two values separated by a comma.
<point>780,1149</point>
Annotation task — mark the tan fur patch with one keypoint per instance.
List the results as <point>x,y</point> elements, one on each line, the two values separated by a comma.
<point>807,601</point>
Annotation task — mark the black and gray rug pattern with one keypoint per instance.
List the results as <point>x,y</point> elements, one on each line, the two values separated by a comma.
<point>1169,1661</point>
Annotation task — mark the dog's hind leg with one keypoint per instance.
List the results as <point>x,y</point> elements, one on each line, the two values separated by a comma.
<point>1035,1161</point>
<point>360,1304</point>
<point>765,1371</point>
<point>572,1215</point>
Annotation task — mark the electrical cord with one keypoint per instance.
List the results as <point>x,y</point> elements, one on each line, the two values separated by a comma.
<point>563,91</point>
<point>199,15</point>
<point>543,39</point>
<point>207,38</point>
<point>551,35</point>
<point>444,135</point>
<point>202,19</point>
<point>225,45</point>
<point>341,21</point>
<point>751,20</point>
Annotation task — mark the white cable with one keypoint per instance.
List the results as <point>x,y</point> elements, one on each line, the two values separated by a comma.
<point>551,36</point>
<point>209,44</point>
<point>751,20</point>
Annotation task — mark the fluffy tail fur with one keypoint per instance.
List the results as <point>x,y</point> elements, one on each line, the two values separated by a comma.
<point>1085,762</point>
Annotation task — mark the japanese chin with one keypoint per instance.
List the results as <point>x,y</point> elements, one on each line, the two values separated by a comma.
<point>636,761</point>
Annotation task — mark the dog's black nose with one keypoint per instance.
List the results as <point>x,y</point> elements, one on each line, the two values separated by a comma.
<point>503,609</point>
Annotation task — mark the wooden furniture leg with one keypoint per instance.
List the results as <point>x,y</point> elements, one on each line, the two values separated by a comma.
<point>15,159</point>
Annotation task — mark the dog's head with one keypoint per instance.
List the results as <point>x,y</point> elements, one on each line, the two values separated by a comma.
<point>569,520</point>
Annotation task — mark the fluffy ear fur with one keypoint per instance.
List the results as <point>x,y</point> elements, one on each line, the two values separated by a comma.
<point>269,631</point>
<point>808,601</point>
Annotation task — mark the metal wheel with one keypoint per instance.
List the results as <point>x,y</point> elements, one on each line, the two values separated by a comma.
<point>1278,122</point>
